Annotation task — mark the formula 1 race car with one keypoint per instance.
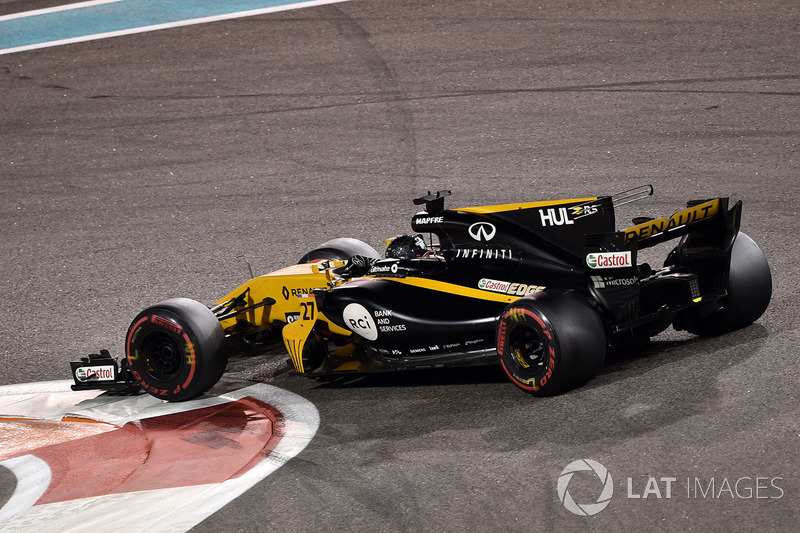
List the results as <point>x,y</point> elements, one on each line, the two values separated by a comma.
<point>542,288</point>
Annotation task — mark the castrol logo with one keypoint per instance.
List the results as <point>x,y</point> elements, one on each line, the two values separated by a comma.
<point>609,260</point>
<point>95,373</point>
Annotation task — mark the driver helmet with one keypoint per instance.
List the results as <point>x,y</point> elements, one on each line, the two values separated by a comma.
<point>406,247</point>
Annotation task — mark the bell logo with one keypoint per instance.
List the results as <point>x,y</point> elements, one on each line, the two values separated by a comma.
<point>585,509</point>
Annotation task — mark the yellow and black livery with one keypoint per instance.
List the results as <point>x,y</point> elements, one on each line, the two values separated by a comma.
<point>542,288</point>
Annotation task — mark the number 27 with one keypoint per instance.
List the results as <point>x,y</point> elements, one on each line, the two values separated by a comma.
<point>307,310</point>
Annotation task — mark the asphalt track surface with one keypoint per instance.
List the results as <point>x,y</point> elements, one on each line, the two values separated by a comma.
<point>143,167</point>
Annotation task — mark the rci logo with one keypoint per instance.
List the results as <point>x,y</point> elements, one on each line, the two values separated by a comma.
<point>358,319</point>
<point>585,509</point>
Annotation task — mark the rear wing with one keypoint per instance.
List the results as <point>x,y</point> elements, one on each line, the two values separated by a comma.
<point>698,215</point>
<point>708,224</point>
<point>707,230</point>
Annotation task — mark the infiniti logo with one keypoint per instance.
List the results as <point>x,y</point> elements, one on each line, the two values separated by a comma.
<point>482,231</point>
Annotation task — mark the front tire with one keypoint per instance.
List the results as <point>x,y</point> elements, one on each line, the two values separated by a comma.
<point>342,249</point>
<point>551,342</point>
<point>175,349</point>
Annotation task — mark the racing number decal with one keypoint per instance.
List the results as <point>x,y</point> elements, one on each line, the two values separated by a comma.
<point>307,310</point>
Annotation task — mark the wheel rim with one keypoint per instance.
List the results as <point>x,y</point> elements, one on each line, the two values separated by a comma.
<point>162,356</point>
<point>526,349</point>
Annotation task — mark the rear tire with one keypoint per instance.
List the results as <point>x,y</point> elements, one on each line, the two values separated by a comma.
<point>175,349</point>
<point>342,249</point>
<point>551,342</point>
<point>749,291</point>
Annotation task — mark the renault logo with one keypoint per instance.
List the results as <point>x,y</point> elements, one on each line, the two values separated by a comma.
<point>482,231</point>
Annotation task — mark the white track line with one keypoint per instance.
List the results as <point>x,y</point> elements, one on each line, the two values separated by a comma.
<point>56,9</point>
<point>155,27</point>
